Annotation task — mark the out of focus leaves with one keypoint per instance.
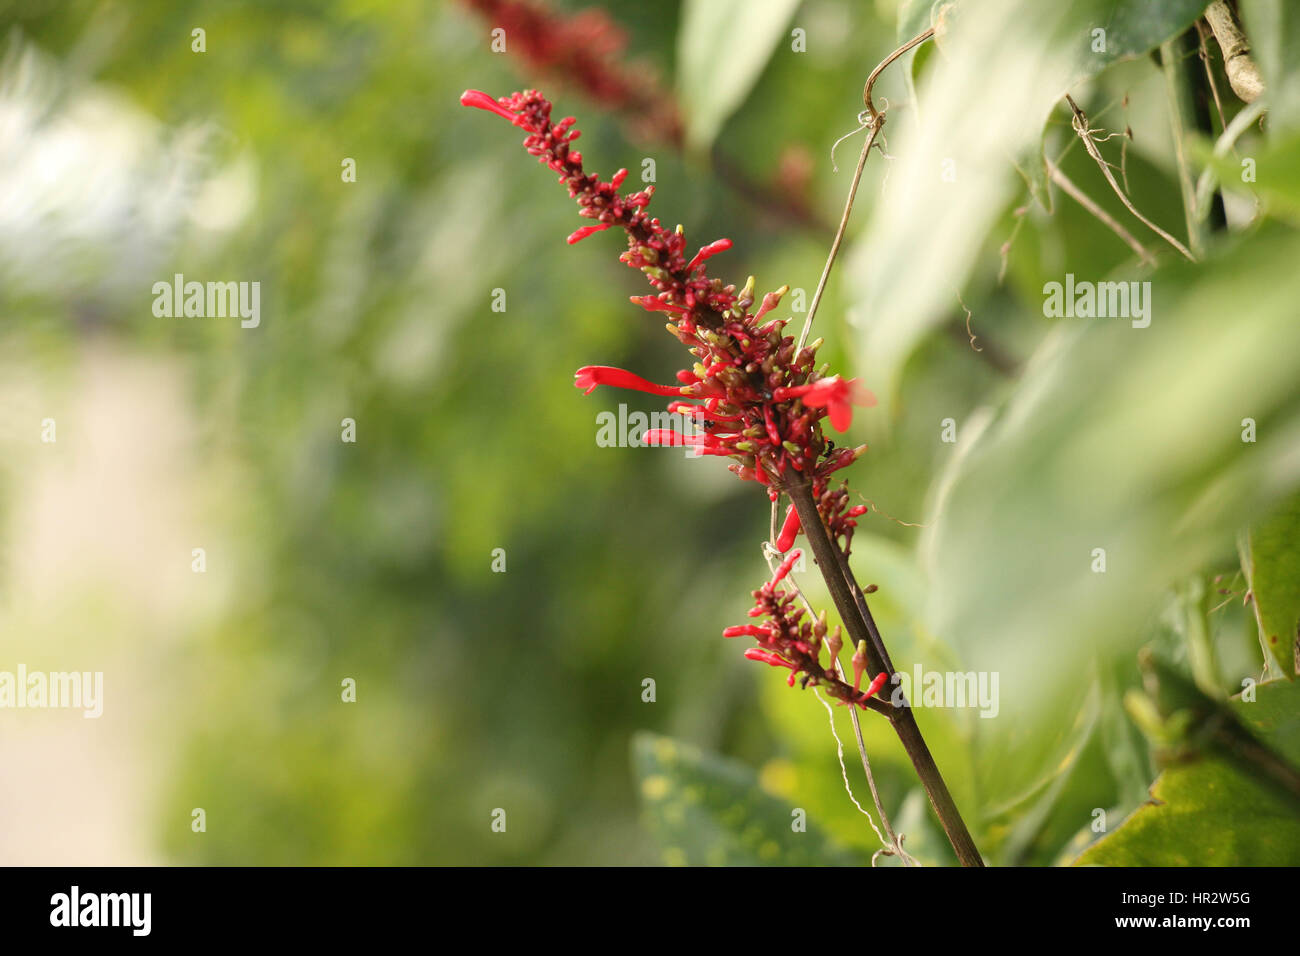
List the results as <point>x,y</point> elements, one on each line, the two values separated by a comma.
<point>1276,176</point>
<point>1210,813</point>
<point>1270,556</point>
<point>1121,439</point>
<point>722,48</point>
<point>986,99</point>
<point>708,810</point>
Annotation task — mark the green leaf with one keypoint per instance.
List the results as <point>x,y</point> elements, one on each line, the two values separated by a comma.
<point>1001,71</point>
<point>1122,439</point>
<point>722,47</point>
<point>1276,175</point>
<point>1271,559</point>
<point>708,810</point>
<point>1208,813</point>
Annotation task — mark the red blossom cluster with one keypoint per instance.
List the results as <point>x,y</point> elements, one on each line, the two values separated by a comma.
<point>751,393</point>
<point>584,49</point>
<point>790,640</point>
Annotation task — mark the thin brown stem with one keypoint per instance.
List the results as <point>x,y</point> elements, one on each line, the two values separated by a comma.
<point>1085,135</point>
<point>1106,219</point>
<point>856,616</point>
<point>874,122</point>
<point>1202,31</point>
<point>873,132</point>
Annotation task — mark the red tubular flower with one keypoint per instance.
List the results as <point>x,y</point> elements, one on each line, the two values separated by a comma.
<point>668,438</point>
<point>579,234</point>
<point>747,630</point>
<point>589,376</point>
<point>859,663</point>
<point>785,567</point>
<point>480,100</point>
<point>767,657</point>
<point>834,393</point>
<point>652,303</point>
<point>708,252</point>
<point>788,530</point>
<point>874,687</point>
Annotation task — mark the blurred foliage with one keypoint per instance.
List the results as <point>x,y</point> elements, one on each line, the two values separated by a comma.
<point>707,810</point>
<point>1206,812</point>
<point>130,157</point>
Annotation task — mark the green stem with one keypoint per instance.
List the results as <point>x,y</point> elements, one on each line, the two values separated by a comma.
<point>1182,117</point>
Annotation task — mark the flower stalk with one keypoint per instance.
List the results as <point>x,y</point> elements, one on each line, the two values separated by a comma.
<point>758,398</point>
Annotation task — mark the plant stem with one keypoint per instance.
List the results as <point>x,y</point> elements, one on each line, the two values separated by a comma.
<point>876,123</point>
<point>1182,118</point>
<point>874,120</point>
<point>1106,219</point>
<point>852,606</point>
<point>1243,74</point>
<point>1081,127</point>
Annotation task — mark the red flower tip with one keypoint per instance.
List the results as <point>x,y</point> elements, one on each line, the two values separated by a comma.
<point>836,394</point>
<point>579,234</point>
<point>652,303</point>
<point>589,376</point>
<point>480,100</point>
<point>770,302</point>
<point>874,687</point>
<point>859,663</point>
<point>786,565</point>
<point>708,252</point>
<point>767,657</point>
<point>746,630</point>
<point>788,530</point>
<point>666,438</point>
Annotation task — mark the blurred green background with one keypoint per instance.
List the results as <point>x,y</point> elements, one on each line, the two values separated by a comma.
<point>129,157</point>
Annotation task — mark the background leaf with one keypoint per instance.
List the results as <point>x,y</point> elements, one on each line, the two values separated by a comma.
<point>1123,439</point>
<point>998,77</point>
<point>722,47</point>
<point>708,810</point>
<point>1271,560</point>
<point>1209,813</point>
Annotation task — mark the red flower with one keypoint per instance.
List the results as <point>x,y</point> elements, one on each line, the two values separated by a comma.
<point>767,657</point>
<point>589,376</point>
<point>747,630</point>
<point>708,252</point>
<point>785,567</point>
<point>874,687</point>
<point>479,99</point>
<point>579,234</point>
<point>586,50</point>
<point>788,530</point>
<point>835,394</point>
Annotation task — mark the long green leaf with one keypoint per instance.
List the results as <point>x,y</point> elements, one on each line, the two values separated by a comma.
<point>722,47</point>
<point>1003,66</point>
<point>1127,440</point>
